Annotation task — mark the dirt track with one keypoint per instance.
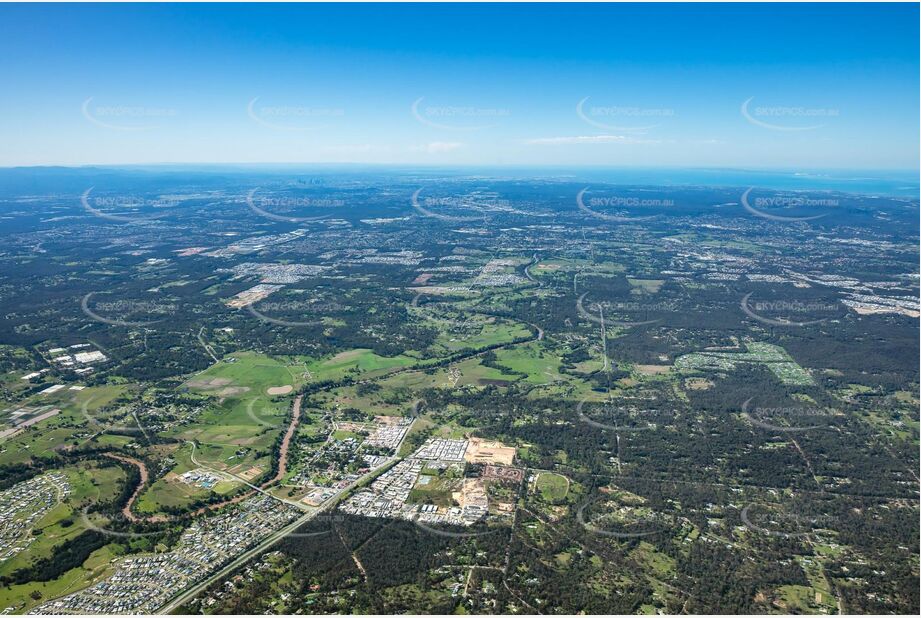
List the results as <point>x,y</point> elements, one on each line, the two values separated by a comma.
<point>286,442</point>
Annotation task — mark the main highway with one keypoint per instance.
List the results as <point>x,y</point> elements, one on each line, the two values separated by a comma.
<point>190,593</point>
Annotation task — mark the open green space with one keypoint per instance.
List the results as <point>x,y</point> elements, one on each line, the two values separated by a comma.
<point>773,357</point>
<point>552,487</point>
<point>89,483</point>
<point>82,413</point>
<point>540,365</point>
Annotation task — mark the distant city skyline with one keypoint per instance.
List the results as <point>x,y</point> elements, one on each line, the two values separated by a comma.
<point>734,86</point>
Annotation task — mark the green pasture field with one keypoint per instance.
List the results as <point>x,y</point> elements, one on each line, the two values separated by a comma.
<point>461,330</point>
<point>45,437</point>
<point>96,567</point>
<point>773,357</point>
<point>375,404</point>
<point>552,487</point>
<point>243,416</point>
<point>650,286</point>
<point>170,491</point>
<point>246,421</point>
<point>89,484</point>
<point>472,373</point>
<point>540,365</point>
<point>437,491</point>
<point>360,361</point>
<point>251,371</point>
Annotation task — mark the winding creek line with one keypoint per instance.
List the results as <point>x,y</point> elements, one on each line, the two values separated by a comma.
<point>145,476</point>
<point>286,442</point>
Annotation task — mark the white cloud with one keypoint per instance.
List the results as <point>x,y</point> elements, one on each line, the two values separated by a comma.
<point>590,139</point>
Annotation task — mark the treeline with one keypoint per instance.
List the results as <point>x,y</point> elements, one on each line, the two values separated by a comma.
<point>66,556</point>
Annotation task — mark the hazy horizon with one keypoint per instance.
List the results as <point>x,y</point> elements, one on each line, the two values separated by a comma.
<point>894,183</point>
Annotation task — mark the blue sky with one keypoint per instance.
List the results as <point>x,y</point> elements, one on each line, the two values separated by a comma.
<point>826,86</point>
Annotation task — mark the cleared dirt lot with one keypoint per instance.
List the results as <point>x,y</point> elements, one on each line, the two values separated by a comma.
<point>485,451</point>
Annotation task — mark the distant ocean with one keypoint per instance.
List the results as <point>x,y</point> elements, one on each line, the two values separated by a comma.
<point>882,183</point>
<point>897,184</point>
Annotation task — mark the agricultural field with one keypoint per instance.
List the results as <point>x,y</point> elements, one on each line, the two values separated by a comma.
<point>88,484</point>
<point>76,416</point>
<point>538,365</point>
<point>26,596</point>
<point>249,373</point>
<point>355,362</point>
<point>775,358</point>
<point>552,487</point>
